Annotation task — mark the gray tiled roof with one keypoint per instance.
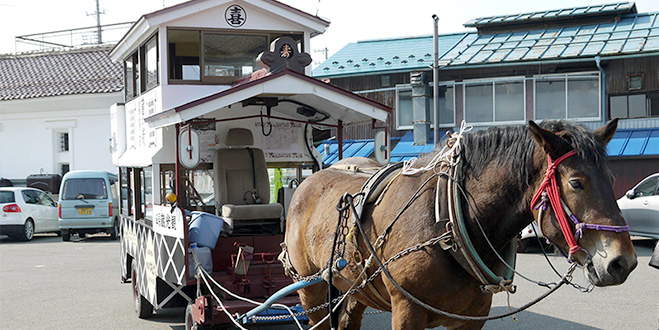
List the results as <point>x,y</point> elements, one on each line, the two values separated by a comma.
<point>385,55</point>
<point>565,13</point>
<point>80,71</point>
<point>631,34</point>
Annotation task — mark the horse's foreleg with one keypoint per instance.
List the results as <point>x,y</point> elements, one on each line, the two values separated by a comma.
<point>311,297</point>
<point>406,315</point>
<point>473,325</point>
<point>352,316</point>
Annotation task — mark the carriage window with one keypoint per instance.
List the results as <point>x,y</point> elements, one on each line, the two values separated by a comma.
<point>183,48</point>
<point>147,191</point>
<point>141,69</point>
<point>131,76</point>
<point>231,56</point>
<point>197,188</point>
<point>224,56</point>
<point>150,50</point>
<point>126,192</point>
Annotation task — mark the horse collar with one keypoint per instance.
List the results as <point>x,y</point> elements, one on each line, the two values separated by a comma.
<point>462,249</point>
<point>549,191</point>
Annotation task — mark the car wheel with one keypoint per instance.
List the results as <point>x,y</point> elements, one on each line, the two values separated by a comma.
<point>190,323</point>
<point>143,307</point>
<point>82,235</point>
<point>66,235</point>
<point>28,231</point>
<point>114,232</point>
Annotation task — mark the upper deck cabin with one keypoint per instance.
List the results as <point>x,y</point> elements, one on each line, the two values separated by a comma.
<point>200,47</point>
<point>204,64</point>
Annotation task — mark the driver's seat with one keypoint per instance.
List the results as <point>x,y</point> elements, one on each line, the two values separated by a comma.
<point>242,186</point>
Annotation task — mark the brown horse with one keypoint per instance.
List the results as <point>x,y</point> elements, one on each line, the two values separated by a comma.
<point>501,170</point>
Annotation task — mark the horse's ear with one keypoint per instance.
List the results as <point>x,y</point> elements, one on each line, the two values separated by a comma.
<point>549,141</point>
<point>606,132</point>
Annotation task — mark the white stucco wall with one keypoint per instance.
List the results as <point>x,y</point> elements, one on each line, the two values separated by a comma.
<point>29,141</point>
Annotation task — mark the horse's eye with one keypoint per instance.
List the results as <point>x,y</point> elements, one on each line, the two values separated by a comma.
<point>576,184</point>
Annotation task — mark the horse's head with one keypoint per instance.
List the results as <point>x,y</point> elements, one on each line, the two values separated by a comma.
<point>583,183</point>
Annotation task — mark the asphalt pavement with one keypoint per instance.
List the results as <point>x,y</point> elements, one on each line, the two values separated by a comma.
<point>51,284</point>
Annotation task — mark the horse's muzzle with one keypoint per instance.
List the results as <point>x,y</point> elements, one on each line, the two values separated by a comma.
<point>603,271</point>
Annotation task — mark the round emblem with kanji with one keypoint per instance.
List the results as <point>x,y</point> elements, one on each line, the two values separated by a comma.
<point>235,15</point>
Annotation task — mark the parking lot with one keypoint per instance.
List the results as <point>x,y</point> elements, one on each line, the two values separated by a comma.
<point>50,284</point>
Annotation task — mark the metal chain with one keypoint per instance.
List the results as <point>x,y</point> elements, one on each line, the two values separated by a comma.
<point>377,272</point>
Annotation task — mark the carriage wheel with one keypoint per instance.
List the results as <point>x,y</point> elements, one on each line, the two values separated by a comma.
<point>190,323</point>
<point>143,307</point>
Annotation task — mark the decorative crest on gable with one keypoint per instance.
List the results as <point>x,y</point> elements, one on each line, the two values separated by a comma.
<point>284,54</point>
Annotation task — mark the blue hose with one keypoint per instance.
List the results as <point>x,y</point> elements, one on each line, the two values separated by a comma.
<point>283,293</point>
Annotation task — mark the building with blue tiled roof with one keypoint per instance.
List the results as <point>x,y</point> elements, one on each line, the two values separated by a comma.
<point>385,56</point>
<point>584,64</point>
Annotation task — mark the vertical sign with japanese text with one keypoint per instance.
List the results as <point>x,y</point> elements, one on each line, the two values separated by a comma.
<point>168,221</point>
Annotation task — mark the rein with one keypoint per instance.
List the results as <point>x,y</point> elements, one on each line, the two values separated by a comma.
<point>549,190</point>
<point>382,266</point>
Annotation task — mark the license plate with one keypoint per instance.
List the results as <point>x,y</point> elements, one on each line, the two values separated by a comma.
<point>85,211</point>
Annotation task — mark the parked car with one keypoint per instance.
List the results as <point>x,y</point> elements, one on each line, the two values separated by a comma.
<point>26,211</point>
<point>527,237</point>
<point>88,204</point>
<point>640,207</point>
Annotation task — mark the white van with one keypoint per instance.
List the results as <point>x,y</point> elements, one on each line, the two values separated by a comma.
<point>88,204</point>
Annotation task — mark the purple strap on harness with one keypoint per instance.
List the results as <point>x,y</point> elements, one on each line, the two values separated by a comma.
<point>581,226</point>
<point>543,201</point>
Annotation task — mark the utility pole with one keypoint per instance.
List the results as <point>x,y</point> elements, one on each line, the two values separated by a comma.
<point>99,37</point>
<point>435,78</point>
<point>324,51</point>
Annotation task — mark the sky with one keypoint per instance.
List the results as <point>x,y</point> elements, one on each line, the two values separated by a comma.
<point>351,20</point>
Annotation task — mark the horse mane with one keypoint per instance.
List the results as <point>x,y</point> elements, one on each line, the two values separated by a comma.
<point>512,148</point>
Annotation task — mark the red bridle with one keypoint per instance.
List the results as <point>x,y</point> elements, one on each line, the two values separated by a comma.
<point>550,186</point>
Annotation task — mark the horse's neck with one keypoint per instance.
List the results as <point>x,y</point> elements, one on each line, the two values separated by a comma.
<point>499,205</point>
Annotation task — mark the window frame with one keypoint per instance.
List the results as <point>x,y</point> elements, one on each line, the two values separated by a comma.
<point>125,182</point>
<point>45,200</point>
<point>145,83</point>
<point>408,87</point>
<point>64,142</point>
<point>31,200</point>
<point>566,77</point>
<point>227,80</point>
<point>649,96</point>
<point>630,76</point>
<point>493,81</point>
<point>654,189</point>
<point>139,79</point>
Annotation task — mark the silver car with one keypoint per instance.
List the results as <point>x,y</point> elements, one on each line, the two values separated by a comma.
<point>640,207</point>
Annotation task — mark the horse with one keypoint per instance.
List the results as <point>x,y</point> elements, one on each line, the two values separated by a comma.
<point>501,170</point>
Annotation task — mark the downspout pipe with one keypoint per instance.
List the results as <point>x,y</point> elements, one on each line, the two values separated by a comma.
<point>435,78</point>
<point>598,62</point>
